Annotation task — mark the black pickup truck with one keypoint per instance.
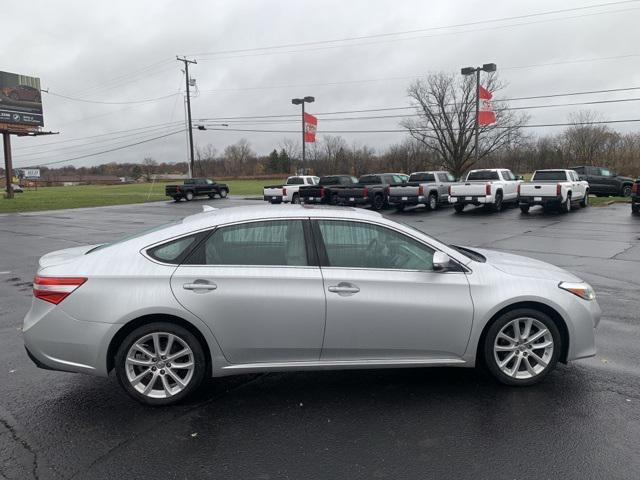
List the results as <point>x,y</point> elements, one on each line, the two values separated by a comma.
<point>370,190</point>
<point>325,191</point>
<point>194,187</point>
<point>603,182</point>
<point>635,196</point>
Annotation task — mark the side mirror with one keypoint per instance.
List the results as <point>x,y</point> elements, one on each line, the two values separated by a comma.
<point>440,261</point>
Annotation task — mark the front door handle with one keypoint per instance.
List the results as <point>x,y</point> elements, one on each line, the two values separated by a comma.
<point>200,286</point>
<point>344,288</point>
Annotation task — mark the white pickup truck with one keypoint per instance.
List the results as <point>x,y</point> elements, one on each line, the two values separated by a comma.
<point>491,187</point>
<point>553,188</point>
<point>288,192</point>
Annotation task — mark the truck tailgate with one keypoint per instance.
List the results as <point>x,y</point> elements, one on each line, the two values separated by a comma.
<point>403,191</point>
<point>538,189</point>
<point>272,191</point>
<point>351,192</point>
<point>469,189</point>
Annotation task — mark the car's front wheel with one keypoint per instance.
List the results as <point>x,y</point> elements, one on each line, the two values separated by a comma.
<point>160,363</point>
<point>521,347</point>
<point>223,193</point>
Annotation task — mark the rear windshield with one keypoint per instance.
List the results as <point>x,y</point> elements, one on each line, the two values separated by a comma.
<point>550,175</point>
<point>370,179</point>
<point>135,235</point>
<point>422,177</point>
<point>330,181</point>
<point>295,181</point>
<point>483,175</point>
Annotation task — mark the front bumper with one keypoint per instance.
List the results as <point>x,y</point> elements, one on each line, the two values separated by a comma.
<point>57,341</point>
<point>472,200</point>
<point>584,317</point>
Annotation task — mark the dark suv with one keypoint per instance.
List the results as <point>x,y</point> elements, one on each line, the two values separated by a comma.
<point>635,196</point>
<point>604,182</point>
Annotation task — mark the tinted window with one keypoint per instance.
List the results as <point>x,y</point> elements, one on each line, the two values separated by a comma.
<point>580,170</point>
<point>422,177</point>
<point>173,251</point>
<point>279,242</point>
<point>330,181</point>
<point>550,175</point>
<point>483,175</point>
<point>605,172</point>
<point>295,181</point>
<point>363,245</point>
<point>370,179</point>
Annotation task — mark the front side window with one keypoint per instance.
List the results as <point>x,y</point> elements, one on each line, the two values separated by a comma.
<point>365,245</point>
<point>278,242</point>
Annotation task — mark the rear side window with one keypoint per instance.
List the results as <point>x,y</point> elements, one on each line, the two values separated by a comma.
<point>174,251</point>
<point>550,175</point>
<point>483,175</point>
<point>278,242</point>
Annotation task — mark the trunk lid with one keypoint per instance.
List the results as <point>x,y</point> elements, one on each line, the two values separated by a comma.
<point>63,256</point>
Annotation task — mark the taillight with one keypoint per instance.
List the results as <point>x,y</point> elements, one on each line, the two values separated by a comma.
<point>487,189</point>
<point>284,192</point>
<point>55,289</point>
<point>321,192</point>
<point>365,192</point>
<point>421,191</point>
<point>636,188</point>
<point>558,190</point>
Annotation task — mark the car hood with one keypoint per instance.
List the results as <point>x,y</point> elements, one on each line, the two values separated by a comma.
<point>63,256</point>
<point>526,267</point>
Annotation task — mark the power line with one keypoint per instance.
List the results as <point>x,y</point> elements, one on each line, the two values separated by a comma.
<point>103,151</point>
<point>129,102</point>
<point>408,32</point>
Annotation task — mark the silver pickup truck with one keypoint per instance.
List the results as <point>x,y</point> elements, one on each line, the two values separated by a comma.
<point>423,188</point>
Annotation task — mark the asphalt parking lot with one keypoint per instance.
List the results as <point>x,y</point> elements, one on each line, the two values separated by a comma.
<point>582,422</point>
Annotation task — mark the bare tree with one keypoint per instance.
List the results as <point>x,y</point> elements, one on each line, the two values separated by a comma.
<point>445,104</point>
<point>239,157</point>
<point>586,142</point>
<point>205,158</point>
<point>149,167</point>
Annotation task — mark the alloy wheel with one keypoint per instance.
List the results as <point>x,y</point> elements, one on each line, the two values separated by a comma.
<point>159,365</point>
<point>523,348</point>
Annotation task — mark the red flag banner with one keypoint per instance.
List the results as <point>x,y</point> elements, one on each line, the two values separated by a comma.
<point>486,116</point>
<point>310,127</point>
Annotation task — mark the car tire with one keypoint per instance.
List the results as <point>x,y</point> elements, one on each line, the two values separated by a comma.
<point>400,207</point>
<point>212,196</point>
<point>497,204</point>
<point>223,193</point>
<point>334,200</point>
<point>188,196</point>
<point>378,202</point>
<point>524,208</point>
<point>635,208</point>
<point>458,207</point>
<point>164,382</point>
<point>626,190</point>
<point>585,201</point>
<point>432,201</point>
<point>519,361</point>
<point>295,199</point>
<point>565,207</point>
<point>176,199</point>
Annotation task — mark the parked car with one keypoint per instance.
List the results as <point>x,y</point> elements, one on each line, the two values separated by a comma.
<point>325,191</point>
<point>553,188</point>
<point>196,187</point>
<point>422,188</point>
<point>635,196</point>
<point>604,182</point>
<point>289,192</point>
<point>371,190</point>
<point>491,187</point>
<point>22,93</point>
<point>243,290</point>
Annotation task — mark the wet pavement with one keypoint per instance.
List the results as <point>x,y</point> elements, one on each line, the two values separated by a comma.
<point>582,422</point>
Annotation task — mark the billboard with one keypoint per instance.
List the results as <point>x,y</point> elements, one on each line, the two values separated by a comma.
<point>28,173</point>
<point>20,100</point>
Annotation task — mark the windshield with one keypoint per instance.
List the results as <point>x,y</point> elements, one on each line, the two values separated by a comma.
<point>549,175</point>
<point>483,175</point>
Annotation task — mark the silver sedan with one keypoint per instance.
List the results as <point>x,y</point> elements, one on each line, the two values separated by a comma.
<point>256,289</point>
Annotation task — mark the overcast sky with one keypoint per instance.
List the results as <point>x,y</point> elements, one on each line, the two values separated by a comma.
<point>124,51</point>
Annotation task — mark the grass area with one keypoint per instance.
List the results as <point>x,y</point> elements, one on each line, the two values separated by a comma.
<point>52,198</point>
<point>603,201</point>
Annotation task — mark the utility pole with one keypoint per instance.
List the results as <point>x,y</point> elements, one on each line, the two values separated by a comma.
<point>8,167</point>
<point>187,83</point>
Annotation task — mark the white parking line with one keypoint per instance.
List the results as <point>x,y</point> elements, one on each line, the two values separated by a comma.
<point>4,273</point>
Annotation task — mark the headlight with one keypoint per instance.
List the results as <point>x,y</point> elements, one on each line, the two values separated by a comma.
<point>582,290</point>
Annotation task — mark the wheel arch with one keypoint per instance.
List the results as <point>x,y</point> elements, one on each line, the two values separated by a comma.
<point>131,325</point>
<point>533,305</point>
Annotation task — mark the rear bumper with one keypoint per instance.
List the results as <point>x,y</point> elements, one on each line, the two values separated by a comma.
<point>273,198</point>
<point>315,200</point>
<point>544,201</point>
<point>56,341</point>
<point>635,200</point>
<point>409,200</point>
<point>472,200</point>
<point>355,201</point>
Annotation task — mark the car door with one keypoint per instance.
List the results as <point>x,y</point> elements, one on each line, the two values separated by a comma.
<point>510,188</point>
<point>384,300</point>
<point>595,180</point>
<point>578,187</point>
<point>610,182</point>
<point>445,179</point>
<point>258,289</point>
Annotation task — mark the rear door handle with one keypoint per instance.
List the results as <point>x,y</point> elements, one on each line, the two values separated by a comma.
<point>344,288</point>
<point>200,286</point>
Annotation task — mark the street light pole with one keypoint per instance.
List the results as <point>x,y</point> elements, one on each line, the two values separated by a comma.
<point>302,101</point>
<point>487,67</point>
<point>190,127</point>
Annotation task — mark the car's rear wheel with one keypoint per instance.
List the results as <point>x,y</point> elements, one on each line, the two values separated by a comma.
<point>585,201</point>
<point>176,199</point>
<point>521,347</point>
<point>497,204</point>
<point>458,207</point>
<point>188,196</point>
<point>223,193</point>
<point>432,201</point>
<point>565,207</point>
<point>160,363</point>
<point>524,208</point>
<point>400,207</point>
<point>378,202</point>
<point>626,191</point>
<point>295,199</point>
<point>334,199</point>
